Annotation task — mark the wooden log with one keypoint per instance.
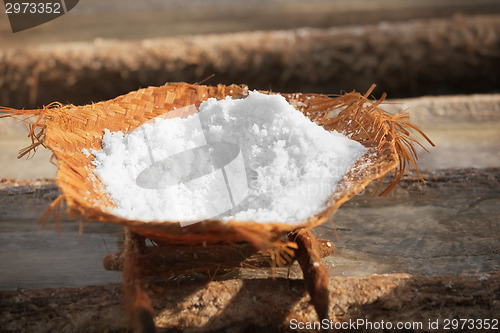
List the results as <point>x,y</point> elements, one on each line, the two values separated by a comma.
<point>15,192</point>
<point>254,305</point>
<point>315,273</point>
<point>437,56</point>
<point>136,285</point>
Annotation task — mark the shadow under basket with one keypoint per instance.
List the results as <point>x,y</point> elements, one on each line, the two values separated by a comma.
<point>68,129</point>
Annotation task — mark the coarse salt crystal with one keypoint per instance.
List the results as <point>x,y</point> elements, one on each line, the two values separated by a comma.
<point>86,152</point>
<point>281,166</point>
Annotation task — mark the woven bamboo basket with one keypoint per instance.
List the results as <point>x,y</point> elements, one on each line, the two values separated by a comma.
<point>67,129</point>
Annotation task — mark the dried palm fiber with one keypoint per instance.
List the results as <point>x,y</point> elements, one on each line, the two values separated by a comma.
<point>67,129</point>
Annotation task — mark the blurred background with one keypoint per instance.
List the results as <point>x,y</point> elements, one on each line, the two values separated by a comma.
<point>439,58</point>
<point>102,49</point>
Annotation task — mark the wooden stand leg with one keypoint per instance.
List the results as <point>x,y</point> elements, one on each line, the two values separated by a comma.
<point>315,273</point>
<point>135,285</point>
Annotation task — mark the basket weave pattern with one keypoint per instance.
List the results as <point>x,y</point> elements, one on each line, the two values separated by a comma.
<point>66,130</point>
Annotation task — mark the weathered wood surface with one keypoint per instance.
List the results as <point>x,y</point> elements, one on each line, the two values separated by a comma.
<point>260,305</point>
<point>38,194</point>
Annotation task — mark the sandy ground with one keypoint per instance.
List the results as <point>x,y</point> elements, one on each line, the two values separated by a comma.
<point>259,305</point>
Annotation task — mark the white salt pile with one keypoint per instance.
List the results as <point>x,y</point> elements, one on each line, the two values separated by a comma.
<point>256,158</point>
